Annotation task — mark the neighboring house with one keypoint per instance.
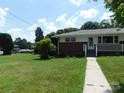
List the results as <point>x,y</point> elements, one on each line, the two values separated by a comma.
<point>26,51</point>
<point>16,49</point>
<point>91,42</point>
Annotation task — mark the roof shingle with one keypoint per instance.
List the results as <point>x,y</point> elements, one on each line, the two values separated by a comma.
<point>93,32</point>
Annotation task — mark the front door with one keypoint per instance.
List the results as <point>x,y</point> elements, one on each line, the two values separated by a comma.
<point>90,49</point>
<point>90,43</point>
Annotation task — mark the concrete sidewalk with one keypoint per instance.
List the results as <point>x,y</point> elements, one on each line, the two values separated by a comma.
<point>95,81</point>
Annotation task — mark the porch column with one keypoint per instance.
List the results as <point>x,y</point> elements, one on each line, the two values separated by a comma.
<point>85,50</point>
<point>96,50</point>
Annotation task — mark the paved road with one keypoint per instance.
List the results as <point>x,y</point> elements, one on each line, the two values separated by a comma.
<point>95,81</point>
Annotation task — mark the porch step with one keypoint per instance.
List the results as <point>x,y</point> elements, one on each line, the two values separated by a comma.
<point>91,53</point>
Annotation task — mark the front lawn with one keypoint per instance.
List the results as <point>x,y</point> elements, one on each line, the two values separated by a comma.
<point>113,68</point>
<point>25,73</point>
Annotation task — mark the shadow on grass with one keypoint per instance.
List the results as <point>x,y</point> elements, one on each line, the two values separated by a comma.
<point>118,88</point>
<point>41,59</point>
<point>38,58</point>
<point>51,57</point>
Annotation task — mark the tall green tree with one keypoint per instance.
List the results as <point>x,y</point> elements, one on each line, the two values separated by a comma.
<point>90,25</point>
<point>6,43</point>
<point>114,23</point>
<point>50,34</point>
<point>105,24</point>
<point>117,7</point>
<point>38,34</point>
<point>66,30</point>
<point>22,43</point>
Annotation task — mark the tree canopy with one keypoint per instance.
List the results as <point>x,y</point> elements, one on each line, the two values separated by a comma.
<point>90,25</point>
<point>117,7</point>
<point>22,43</point>
<point>99,25</point>
<point>50,34</point>
<point>38,34</point>
<point>6,43</point>
<point>66,30</point>
<point>105,24</point>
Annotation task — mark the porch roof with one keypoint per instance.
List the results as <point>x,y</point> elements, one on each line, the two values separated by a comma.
<point>94,32</point>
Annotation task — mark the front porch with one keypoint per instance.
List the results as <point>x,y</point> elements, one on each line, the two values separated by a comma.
<point>104,49</point>
<point>104,45</point>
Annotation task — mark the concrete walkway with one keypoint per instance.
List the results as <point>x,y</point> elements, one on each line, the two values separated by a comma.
<point>95,81</point>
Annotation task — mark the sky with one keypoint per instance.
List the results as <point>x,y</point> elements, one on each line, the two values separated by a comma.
<point>20,18</point>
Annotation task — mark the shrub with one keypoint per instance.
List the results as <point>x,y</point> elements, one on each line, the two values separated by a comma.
<point>44,46</point>
<point>52,50</point>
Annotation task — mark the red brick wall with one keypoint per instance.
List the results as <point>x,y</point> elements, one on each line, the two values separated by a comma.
<point>71,48</point>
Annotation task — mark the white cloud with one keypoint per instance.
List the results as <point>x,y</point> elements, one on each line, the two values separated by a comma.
<point>18,32</point>
<point>33,27</point>
<point>6,9</point>
<point>43,21</point>
<point>30,36</point>
<point>71,22</point>
<point>47,26</point>
<point>78,2</point>
<point>89,13</point>
<point>61,18</point>
<point>60,23</point>
<point>64,22</point>
<point>15,32</point>
<point>106,16</point>
<point>3,14</point>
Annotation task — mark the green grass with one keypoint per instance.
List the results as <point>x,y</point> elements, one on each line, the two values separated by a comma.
<point>25,73</point>
<point>113,68</point>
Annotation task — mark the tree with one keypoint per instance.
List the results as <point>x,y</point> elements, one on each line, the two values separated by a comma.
<point>66,30</point>
<point>105,24</point>
<point>22,43</point>
<point>90,25</point>
<point>38,34</point>
<point>114,23</point>
<point>6,43</point>
<point>50,34</point>
<point>117,7</point>
<point>44,46</point>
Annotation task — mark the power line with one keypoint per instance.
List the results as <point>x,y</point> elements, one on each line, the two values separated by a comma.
<point>19,18</point>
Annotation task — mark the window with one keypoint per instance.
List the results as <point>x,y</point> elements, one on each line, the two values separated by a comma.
<point>73,39</point>
<point>116,39</point>
<point>99,40</point>
<point>108,39</point>
<point>67,39</point>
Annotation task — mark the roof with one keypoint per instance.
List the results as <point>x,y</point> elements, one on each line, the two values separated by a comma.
<point>94,32</point>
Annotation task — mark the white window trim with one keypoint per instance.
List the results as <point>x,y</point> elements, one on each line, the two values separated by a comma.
<point>108,43</point>
<point>70,39</point>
